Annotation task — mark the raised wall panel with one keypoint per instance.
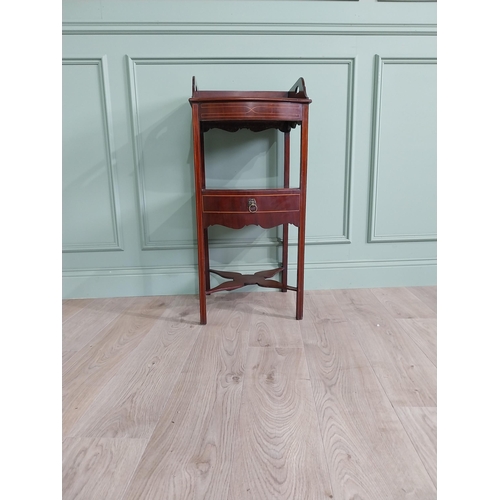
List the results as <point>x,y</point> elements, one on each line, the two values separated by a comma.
<point>161,118</point>
<point>90,209</point>
<point>403,168</point>
<point>330,154</point>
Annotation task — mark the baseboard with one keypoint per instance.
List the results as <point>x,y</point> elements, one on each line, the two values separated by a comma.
<point>130,282</point>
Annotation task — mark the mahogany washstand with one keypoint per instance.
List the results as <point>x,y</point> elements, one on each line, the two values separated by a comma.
<point>236,208</point>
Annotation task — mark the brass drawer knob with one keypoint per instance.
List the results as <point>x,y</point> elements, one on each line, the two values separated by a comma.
<point>252,205</point>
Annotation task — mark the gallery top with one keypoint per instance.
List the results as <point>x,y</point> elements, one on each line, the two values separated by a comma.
<point>256,110</point>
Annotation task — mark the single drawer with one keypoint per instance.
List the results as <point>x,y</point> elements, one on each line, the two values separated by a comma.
<point>252,202</point>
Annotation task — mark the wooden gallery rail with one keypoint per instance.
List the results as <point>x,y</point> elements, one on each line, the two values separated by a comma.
<point>236,208</point>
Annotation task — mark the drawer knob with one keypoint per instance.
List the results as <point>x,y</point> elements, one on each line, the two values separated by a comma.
<point>252,205</point>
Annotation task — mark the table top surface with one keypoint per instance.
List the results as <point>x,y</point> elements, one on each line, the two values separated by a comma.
<point>297,94</point>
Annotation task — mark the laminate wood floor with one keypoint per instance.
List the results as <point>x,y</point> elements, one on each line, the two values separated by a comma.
<point>254,405</point>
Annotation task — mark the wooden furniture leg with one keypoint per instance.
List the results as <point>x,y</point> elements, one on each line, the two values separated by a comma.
<point>300,274</point>
<point>301,245</point>
<point>205,230</point>
<point>284,273</point>
<point>202,242</point>
<point>207,260</point>
<point>286,184</point>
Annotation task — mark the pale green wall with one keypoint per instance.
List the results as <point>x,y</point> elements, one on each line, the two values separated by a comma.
<point>128,206</point>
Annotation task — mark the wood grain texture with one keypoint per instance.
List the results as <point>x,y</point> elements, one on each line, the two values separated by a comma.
<point>98,469</point>
<point>91,368</point>
<point>424,333</point>
<point>279,453</point>
<point>66,355</point>
<point>427,294</point>
<point>190,453</point>
<point>320,305</point>
<point>273,322</point>
<point>158,407</point>
<point>131,404</point>
<point>72,306</point>
<point>369,455</point>
<point>401,303</point>
<point>404,371</point>
<point>83,326</point>
<point>421,426</point>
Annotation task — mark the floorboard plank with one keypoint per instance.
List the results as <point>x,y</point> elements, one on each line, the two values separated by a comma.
<point>424,333</point>
<point>66,355</point>
<point>273,320</point>
<point>401,303</point>
<point>98,469</point>
<point>404,371</point>
<point>320,305</point>
<point>131,404</point>
<point>83,326</point>
<point>90,369</point>
<point>72,306</point>
<point>369,454</point>
<point>279,453</point>
<point>427,294</point>
<point>190,453</point>
<point>421,426</point>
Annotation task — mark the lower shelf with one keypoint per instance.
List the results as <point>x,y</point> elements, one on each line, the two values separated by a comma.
<point>239,280</point>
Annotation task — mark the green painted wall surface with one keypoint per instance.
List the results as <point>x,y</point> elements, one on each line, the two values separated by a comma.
<point>128,204</point>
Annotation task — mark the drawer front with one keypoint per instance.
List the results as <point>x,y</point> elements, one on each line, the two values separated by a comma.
<point>251,204</point>
<point>253,110</point>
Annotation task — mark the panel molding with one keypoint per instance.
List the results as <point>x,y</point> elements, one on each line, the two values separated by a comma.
<point>116,245</point>
<point>372,237</point>
<point>146,243</point>
<point>228,28</point>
